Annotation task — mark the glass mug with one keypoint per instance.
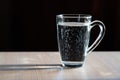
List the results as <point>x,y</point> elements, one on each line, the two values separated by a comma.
<point>73,34</point>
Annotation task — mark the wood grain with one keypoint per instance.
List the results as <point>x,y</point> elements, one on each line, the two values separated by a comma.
<point>98,66</point>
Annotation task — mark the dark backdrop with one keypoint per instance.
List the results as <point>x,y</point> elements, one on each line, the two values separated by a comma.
<point>29,25</point>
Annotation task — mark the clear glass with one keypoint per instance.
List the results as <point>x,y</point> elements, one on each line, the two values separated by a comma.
<point>73,33</point>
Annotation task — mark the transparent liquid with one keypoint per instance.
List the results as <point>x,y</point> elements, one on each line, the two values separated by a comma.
<point>73,40</point>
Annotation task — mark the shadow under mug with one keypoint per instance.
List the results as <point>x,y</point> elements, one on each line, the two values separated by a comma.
<point>73,34</point>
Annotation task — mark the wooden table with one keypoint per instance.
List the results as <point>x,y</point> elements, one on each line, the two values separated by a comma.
<point>98,66</point>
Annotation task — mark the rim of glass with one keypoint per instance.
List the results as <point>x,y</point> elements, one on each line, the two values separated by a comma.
<point>74,15</point>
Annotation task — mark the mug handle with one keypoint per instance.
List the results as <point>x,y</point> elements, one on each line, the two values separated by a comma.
<point>100,36</point>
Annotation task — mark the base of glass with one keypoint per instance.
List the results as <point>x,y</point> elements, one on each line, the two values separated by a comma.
<point>72,63</point>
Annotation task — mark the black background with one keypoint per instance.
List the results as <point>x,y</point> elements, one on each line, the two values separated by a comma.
<point>30,25</point>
